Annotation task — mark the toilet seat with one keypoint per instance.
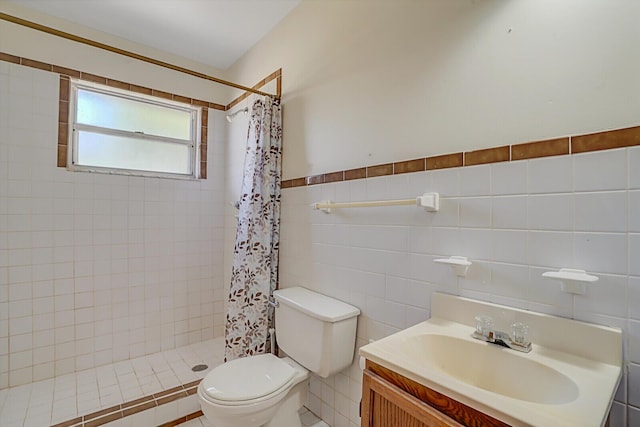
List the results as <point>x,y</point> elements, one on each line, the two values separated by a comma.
<point>247,381</point>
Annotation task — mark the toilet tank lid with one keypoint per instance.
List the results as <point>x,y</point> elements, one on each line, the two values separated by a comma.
<point>316,305</point>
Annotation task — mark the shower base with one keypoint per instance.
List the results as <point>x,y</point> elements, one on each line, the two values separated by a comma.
<point>146,391</point>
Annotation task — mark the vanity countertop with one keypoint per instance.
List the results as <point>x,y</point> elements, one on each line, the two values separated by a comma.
<point>569,378</point>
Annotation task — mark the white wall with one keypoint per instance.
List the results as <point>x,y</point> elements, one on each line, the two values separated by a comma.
<point>97,268</point>
<point>370,82</point>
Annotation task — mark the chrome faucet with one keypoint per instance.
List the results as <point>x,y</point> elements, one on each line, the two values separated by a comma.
<point>518,339</point>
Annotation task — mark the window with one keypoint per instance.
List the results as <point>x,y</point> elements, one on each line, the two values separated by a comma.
<point>120,132</point>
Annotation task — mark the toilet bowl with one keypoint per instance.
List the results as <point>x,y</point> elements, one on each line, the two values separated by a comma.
<point>261,390</point>
<point>317,333</point>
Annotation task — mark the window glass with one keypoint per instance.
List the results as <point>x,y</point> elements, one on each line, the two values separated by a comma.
<point>108,111</point>
<point>122,132</point>
<point>119,152</point>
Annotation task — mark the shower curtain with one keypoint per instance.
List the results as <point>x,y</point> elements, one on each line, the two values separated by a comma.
<point>255,260</point>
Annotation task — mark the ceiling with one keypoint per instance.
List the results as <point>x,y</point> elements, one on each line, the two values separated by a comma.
<point>213,32</point>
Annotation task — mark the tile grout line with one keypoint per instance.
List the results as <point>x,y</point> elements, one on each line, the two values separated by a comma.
<point>98,418</point>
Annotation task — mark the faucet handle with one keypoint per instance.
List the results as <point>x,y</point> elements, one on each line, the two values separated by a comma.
<point>484,325</point>
<point>520,334</point>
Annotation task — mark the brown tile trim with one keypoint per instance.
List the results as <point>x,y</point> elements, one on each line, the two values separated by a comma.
<point>334,177</point>
<point>359,173</point>
<point>531,150</point>
<point>118,84</point>
<point>488,155</point>
<point>69,423</point>
<point>137,401</point>
<point>298,182</point>
<point>171,398</point>
<point>606,140</point>
<point>162,94</point>
<point>139,408</point>
<point>204,117</point>
<point>103,420</point>
<point>417,165</point>
<point>191,384</point>
<point>126,409</point>
<point>36,64</point>
<point>68,72</point>
<point>197,414</point>
<point>141,89</point>
<point>102,412</point>
<point>618,138</point>
<point>444,161</point>
<point>379,170</point>
<point>181,420</point>
<point>167,392</point>
<point>93,78</point>
<point>277,75</point>
<point>65,71</point>
<point>9,58</point>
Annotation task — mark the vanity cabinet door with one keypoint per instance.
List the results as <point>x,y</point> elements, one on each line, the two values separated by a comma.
<point>385,405</point>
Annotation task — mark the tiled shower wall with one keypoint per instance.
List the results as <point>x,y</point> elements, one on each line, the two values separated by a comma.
<point>513,220</point>
<point>97,268</point>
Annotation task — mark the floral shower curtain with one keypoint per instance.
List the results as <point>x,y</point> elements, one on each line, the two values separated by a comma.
<point>255,261</point>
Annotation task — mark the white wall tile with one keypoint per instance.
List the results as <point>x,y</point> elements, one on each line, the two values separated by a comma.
<point>82,230</point>
<point>509,212</point>
<point>634,173</point>
<point>446,182</point>
<point>475,180</point>
<point>553,249</point>
<point>601,252</point>
<point>508,246</point>
<point>634,388</point>
<point>607,296</point>
<point>509,178</point>
<point>550,175</point>
<point>634,254</point>
<point>475,212</point>
<point>550,212</point>
<point>634,211</point>
<point>603,211</point>
<point>600,170</point>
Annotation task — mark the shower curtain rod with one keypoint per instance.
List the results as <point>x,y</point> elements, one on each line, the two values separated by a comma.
<point>113,49</point>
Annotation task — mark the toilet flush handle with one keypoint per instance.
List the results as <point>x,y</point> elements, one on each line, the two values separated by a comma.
<point>273,302</point>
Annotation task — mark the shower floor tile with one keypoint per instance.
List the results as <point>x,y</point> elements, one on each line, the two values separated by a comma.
<point>69,396</point>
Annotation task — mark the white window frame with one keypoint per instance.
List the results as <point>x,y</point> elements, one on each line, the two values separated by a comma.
<point>193,143</point>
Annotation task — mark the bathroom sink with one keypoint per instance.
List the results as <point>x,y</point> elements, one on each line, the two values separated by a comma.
<point>493,368</point>
<point>568,377</point>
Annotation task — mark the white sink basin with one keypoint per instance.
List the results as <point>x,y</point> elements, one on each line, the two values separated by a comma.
<point>493,368</point>
<point>569,378</point>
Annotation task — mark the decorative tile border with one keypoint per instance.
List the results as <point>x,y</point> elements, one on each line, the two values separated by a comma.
<point>126,409</point>
<point>276,75</point>
<point>606,140</point>
<point>181,420</point>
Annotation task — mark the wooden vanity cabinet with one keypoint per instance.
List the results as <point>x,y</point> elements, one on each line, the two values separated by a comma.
<point>392,400</point>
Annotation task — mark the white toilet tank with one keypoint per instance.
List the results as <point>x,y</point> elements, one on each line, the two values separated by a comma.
<point>317,331</point>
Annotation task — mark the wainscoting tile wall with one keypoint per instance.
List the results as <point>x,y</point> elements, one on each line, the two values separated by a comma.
<point>514,220</point>
<point>97,268</point>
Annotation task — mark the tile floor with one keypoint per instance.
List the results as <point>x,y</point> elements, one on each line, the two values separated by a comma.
<point>66,397</point>
<point>308,418</point>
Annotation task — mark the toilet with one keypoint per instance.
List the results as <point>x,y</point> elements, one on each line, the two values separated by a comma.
<point>318,334</point>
